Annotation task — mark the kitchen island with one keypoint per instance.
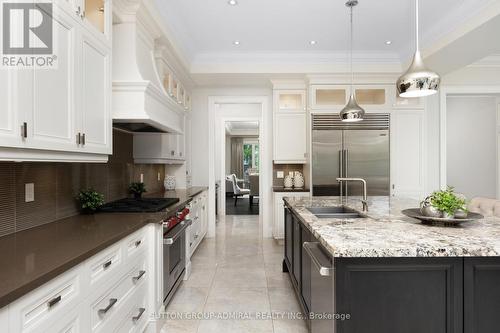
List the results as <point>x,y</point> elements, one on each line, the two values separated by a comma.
<point>389,273</point>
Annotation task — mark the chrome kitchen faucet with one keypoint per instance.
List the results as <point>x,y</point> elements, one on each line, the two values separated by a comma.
<point>365,197</point>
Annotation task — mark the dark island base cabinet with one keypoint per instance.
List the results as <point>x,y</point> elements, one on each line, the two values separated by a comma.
<point>400,295</point>
<point>395,295</point>
<point>482,295</point>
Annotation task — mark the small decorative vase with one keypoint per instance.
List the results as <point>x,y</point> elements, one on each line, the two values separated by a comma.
<point>288,182</point>
<point>137,195</point>
<point>446,215</point>
<point>169,183</point>
<point>427,209</point>
<point>298,180</point>
<point>460,214</point>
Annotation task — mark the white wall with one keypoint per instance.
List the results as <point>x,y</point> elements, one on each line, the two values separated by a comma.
<point>471,145</point>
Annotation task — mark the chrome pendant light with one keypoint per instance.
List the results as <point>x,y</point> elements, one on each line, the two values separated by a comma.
<point>352,111</point>
<point>418,81</point>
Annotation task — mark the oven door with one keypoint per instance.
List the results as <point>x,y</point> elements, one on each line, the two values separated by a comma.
<point>174,258</point>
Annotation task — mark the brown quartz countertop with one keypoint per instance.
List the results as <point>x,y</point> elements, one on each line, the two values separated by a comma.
<point>32,257</point>
<point>293,189</point>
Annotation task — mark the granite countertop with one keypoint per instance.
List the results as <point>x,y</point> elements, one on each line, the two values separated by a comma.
<point>286,189</point>
<point>33,257</point>
<point>386,232</point>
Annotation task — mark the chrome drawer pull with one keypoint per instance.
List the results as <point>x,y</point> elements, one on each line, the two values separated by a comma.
<point>54,301</point>
<point>107,264</point>
<point>112,302</point>
<point>137,243</point>
<point>138,277</point>
<point>141,311</point>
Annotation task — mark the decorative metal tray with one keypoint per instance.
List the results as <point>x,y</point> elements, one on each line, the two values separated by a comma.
<point>415,213</point>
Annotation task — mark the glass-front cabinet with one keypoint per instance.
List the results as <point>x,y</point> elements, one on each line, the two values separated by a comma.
<point>334,97</point>
<point>94,14</point>
<point>291,100</point>
<point>328,96</point>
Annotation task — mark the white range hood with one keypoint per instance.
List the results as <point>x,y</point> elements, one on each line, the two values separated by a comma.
<point>140,103</point>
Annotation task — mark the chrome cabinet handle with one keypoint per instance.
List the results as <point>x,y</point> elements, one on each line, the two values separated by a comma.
<point>137,243</point>
<point>141,311</point>
<point>78,138</point>
<point>318,258</point>
<point>107,264</point>
<point>78,11</point>
<point>112,301</point>
<point>138,277</point>
<point>24,132</point>
<point>54,301</point>
<point>83,139</point>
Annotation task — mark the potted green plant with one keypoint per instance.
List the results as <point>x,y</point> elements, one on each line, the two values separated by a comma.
<point>448,203</point>
<point>137,189</point>
<point>90,200</point>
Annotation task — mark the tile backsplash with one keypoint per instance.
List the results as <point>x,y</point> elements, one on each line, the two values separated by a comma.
<point>57,184</point>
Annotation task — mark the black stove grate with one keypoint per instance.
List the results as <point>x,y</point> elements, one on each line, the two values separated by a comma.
<point>143,205</point>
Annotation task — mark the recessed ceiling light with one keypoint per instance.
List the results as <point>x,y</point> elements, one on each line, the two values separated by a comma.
<point>236,42</point>
<point>388,42</point>
<point>232,2</point>
<point>313,42</point>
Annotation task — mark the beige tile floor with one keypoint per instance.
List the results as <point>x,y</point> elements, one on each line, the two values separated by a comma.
<point>238,271</point>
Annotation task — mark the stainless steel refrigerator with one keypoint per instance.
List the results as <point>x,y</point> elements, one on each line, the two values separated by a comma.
<point>359,149</point>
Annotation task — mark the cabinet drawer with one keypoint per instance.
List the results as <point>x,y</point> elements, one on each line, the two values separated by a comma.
<point>135,244</point>
<point>104,265</point>
<point>136,316</point>
<point>105,306</point>
<point>47,304</point>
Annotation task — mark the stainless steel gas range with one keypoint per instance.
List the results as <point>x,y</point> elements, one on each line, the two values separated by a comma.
<point>174,235</point>
<point>174,252</point>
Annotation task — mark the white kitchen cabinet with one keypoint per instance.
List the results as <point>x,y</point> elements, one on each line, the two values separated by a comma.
<point>407,153</point>
<point>159,148</point>
<point>328,97</point>
<point>95,92</point>
<point>279,217</point>
<point>71,301</point>
<point>290,138</point>
<point>4,319</point>
<point>290,100</point>
<point>61,113</point>
<point>11,117</point>
<point>51,119</point>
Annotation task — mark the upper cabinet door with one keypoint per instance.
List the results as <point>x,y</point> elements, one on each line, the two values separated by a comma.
<point>95,94</point>
<point>51,118</point>
<point>290,138</point>
<point>373,97</point>
<point>328,97</point>
<point>11,117</point>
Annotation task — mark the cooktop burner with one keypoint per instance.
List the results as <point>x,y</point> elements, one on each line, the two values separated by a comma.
<point>144,205</point>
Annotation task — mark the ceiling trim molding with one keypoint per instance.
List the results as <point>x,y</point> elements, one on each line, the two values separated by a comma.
<point>488,62</point>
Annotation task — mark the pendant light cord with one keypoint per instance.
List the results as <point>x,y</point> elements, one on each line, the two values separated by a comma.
<point>352,72</point>
<point>416,25</point>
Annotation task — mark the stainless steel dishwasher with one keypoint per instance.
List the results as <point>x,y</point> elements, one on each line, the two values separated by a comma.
<point>322,289</point>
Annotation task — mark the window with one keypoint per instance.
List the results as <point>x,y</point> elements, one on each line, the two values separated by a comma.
<point>250,158</point>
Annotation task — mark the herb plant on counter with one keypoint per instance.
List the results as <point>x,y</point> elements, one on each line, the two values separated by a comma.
<point>137,189</point>
<point>448,202</point>
<point>90,200</point>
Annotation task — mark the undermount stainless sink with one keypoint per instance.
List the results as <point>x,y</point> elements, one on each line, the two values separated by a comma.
<point>336,212</point>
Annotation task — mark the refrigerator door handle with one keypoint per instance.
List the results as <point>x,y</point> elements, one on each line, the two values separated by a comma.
<point>341,171</point>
